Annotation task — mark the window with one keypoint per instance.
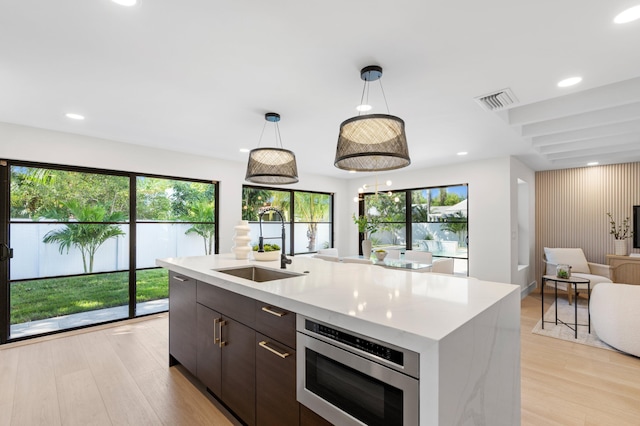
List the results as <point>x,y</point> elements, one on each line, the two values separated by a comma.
<point>437,221</point>
<point>85,243</point>
<point>312,214</point>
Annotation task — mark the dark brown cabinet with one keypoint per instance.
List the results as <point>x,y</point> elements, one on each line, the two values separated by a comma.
<point>276,402</point>
<point>241,349</point>
<point>182,321</point>
<point>226,351</point>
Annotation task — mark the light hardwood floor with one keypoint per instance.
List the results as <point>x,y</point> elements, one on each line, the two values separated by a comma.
<point>119,375</point>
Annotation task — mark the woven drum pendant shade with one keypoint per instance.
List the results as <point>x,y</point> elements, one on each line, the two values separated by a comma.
<point>274,166</point>
<point>374,142</point>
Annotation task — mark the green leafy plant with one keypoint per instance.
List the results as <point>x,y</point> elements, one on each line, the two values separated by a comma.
<point>620,232</point>
<point>267,247</point>
<point>366,225</point>
<point>86,237</point>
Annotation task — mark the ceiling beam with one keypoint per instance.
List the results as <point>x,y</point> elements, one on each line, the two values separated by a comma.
<point>611,95</point>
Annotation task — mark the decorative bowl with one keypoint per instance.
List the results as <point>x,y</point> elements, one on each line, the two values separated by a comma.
<point>266,256</point>
<point>380,255</point>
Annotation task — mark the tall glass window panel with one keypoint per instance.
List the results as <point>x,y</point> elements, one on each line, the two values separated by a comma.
<point>174,218</point>
<point>312,214</point>
<point>439,223</point>
<point>388,211</point>
<point>69,231</point>
<point>254,200</point>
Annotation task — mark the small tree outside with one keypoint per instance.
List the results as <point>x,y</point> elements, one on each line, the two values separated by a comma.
<point>202,211</point>
<point>86,237</point>
<point>456,223</point>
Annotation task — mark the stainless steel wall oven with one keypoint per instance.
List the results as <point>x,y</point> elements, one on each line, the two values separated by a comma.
<point>351,379</point>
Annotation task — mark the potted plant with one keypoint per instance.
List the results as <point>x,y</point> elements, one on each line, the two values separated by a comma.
<point>366,226</point>
<point>271,252</point>
<point>620,233</point>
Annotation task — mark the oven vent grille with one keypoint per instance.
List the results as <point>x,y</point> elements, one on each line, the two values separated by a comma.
<point>497,100</point>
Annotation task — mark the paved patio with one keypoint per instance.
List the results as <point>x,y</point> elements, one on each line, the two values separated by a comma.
<point>85,318</point>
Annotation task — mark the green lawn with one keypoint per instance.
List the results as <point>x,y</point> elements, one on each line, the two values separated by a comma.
<point>48,298</point>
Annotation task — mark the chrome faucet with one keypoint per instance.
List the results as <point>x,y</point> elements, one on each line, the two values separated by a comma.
<point>284,261</point>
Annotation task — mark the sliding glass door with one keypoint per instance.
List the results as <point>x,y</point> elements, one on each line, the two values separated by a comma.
<point>85,242</point>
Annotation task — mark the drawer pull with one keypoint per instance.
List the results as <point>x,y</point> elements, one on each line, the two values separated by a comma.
<point>177,278</point>
<point>270,310</point>
<point>265,344</point>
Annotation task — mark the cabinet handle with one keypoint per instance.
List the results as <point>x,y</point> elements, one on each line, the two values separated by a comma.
<point>177,278</point>
<point>221,322</point>
<point>270,310</point>
<point>265,344</point>
<point>216,339</point>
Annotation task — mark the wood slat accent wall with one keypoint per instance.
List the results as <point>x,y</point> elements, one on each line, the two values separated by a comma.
<point>572,207</point>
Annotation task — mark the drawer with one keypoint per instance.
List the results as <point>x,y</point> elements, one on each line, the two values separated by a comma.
<point>276,323</point>
<point>233,305</point>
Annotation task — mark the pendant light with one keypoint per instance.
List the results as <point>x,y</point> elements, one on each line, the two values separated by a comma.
<point>372,142</point>
<point>273,166</point>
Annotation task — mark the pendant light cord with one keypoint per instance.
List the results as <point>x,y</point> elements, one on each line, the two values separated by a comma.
<point>277,134</point>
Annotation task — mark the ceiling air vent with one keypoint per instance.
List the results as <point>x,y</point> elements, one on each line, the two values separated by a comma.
<point>497,100</point>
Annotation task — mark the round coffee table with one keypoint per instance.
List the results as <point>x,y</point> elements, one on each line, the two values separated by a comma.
<point>572,281</point>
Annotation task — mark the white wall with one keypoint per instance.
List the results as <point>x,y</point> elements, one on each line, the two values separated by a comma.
<point>522,275</point>
<point>492,204</point>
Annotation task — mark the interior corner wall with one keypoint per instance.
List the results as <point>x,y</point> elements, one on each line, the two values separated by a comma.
<point>522,274</point>
<point>489,214</point>
<point>572,207</point>
<point>46,146</point>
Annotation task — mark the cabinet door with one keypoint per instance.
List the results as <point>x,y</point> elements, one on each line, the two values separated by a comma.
<point>208,349</point>
<point>239,370</point>
<point>182,321</point>
<point>276,402</point>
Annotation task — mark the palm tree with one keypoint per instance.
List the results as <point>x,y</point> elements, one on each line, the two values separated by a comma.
<point>87,237</point>
<point>311,208</point>
<point>202,211</point>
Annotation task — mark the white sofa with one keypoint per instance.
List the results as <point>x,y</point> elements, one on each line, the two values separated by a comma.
<point>615,316</point>
<point>596,273</point>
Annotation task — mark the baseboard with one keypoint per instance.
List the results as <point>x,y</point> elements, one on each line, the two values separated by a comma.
<point>528,289</point>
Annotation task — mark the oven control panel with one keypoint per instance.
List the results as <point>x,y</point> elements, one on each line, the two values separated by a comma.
<point>355,341</point>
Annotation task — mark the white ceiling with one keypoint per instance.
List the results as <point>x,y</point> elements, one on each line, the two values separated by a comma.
<point>198,75</point>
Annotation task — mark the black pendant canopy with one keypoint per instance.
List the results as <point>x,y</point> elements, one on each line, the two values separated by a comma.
<point>372,142</point>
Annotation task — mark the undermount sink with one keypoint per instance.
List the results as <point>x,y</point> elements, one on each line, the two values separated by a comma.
<point>257,274</point>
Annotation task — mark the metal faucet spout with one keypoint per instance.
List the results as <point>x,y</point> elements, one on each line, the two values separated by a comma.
<point>284,261</point>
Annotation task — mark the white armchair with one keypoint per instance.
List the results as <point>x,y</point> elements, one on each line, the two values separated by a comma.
<point>596,273</point>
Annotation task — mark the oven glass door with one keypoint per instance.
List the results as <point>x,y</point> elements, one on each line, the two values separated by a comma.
<point>364,397</point>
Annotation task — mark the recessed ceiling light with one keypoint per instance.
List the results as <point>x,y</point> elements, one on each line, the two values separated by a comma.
<point>74,116</point>
<point>364,108</point>
<point>127,3</point>
<point>569,81</point>
<point>352,171</point>
<point>629,15</point>
<point>244,150</point>
<point>463,153</point>
<point>593,163</point>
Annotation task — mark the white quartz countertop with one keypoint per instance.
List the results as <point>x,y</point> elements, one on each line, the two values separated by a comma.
<point>392,305</point>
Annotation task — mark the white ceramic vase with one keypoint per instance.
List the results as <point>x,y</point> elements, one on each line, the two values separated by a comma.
<point>241,240</point>
<point>620,247</point>
<point>366,248</point>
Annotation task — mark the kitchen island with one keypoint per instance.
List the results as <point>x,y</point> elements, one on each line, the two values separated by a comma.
<point>466,331</point>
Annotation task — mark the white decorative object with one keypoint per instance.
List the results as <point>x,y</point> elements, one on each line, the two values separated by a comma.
<point>266,255</point>
<point>366,247</point>
<point>241,240</point>
<point>620,247</point>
